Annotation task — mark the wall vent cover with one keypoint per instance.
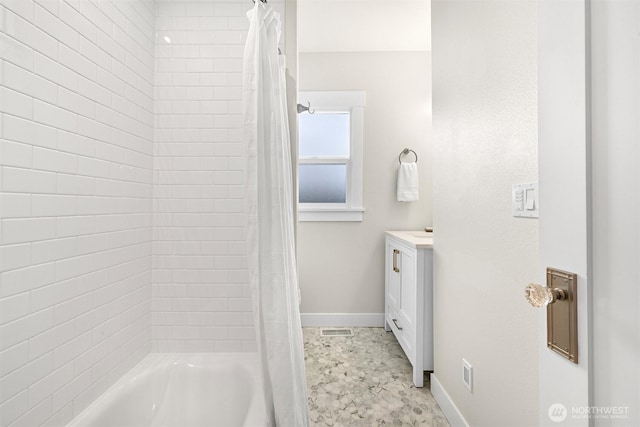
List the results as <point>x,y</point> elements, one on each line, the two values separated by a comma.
<point>336,333</point>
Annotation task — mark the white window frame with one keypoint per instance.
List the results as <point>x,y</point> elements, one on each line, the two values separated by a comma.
<point>352,102</point>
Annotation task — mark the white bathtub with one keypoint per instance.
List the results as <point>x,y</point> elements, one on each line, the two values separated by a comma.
<point>182,390</point>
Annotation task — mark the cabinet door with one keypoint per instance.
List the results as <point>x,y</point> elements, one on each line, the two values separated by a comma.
<point>394,262</point>
<point>407,303</point>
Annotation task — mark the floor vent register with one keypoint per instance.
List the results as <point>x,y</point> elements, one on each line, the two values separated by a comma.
<point>336,333</point>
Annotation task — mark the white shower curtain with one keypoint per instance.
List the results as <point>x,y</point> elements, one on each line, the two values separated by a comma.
<point>270,240</point>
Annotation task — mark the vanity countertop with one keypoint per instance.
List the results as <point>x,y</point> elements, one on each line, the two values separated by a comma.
<point>417,239</point>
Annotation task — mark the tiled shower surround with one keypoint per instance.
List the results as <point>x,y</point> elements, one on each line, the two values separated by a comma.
<point>201,299</point>
<point>121,204</point>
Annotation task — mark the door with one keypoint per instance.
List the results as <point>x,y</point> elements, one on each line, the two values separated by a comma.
<point>564,176</point>
<point>408,291</point>
<point>393,279</point>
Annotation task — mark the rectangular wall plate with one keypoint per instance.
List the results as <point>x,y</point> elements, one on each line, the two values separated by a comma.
<point>562,315</point>
<point>524,200</point>
<point>467,375</point>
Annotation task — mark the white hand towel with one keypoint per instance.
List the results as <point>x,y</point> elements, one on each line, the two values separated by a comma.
<point>408,182</point>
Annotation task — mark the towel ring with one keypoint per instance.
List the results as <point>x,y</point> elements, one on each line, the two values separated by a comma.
<point>407,151</point>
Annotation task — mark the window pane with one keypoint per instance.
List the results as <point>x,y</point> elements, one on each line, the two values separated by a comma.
<point>323,183</point>
<point>324,134</point>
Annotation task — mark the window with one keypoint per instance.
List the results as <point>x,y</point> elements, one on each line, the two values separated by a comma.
<point>330,157</point>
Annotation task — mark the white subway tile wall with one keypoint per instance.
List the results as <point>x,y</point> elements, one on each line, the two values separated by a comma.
<point>76,175</point>
<point>201,299</point>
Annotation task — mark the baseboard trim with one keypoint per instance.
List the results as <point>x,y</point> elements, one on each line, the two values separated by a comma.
<point>447,405</point>
<point>343,320</point>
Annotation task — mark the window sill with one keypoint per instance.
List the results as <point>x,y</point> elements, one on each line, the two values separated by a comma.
<point>336,215</point>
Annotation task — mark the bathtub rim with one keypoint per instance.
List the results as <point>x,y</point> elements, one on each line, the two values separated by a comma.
<point>255,411</point>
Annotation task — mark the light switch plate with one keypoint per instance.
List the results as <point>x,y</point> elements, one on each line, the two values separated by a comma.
<point>525,200</point>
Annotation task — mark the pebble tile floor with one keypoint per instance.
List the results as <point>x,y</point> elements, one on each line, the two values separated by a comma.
<point>364,380</point>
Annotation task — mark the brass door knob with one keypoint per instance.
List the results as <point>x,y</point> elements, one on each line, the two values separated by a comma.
<point>560,296</point>
<point>541,296</point>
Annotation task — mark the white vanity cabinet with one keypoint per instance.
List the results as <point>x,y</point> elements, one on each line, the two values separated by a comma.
<point>409,296</point>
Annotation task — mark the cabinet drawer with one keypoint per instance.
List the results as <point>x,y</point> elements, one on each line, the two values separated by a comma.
<point>405,337</point>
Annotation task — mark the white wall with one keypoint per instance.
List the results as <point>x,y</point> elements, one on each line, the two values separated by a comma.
<point>484,140</point>
<point>201,298</point>
<point>363,25</point>
<point>76,173</point>
<point>341,264</point>
<point>383,49</point>
<point>616,216</point>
